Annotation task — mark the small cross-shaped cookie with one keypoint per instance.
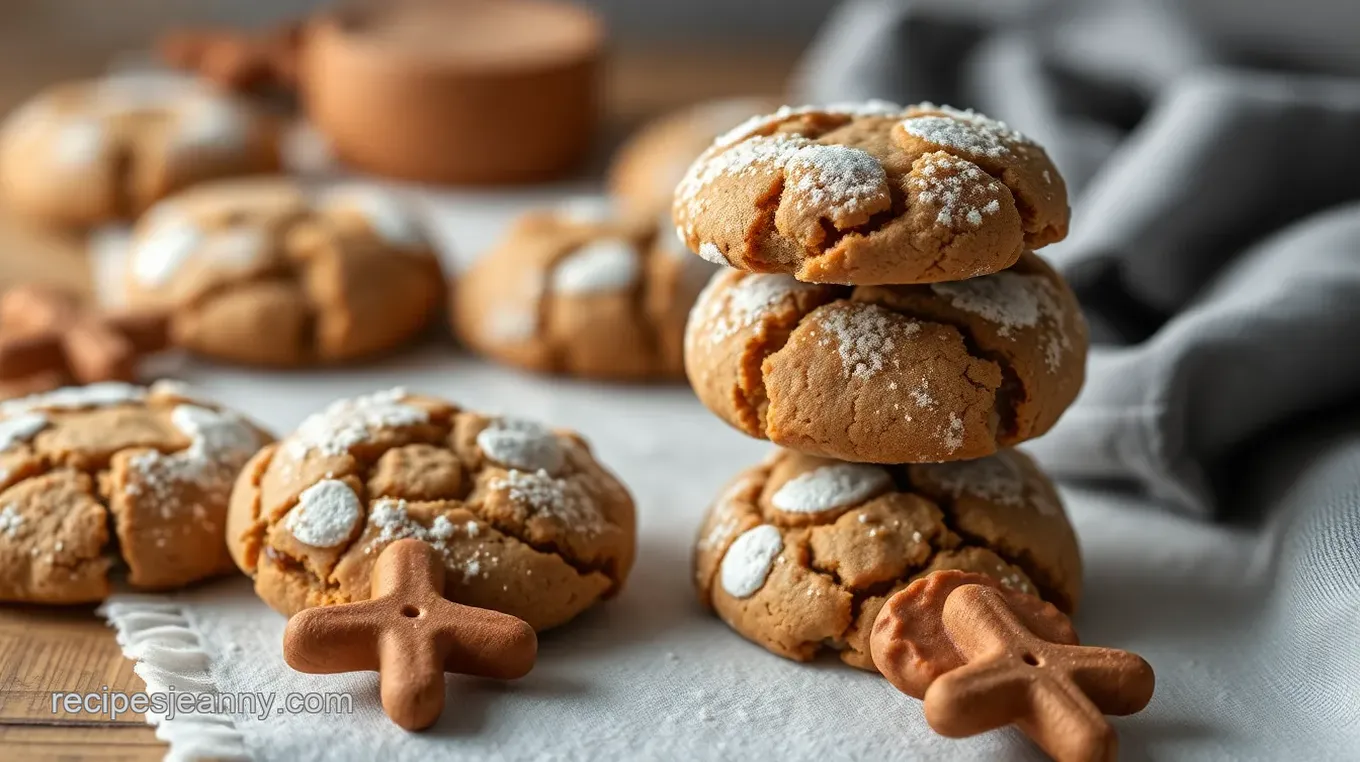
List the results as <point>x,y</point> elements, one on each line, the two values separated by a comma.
<point>48,335</point>
<point>982,657</point>
<point>411,634</point>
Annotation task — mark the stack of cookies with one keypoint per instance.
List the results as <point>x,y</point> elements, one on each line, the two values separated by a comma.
<point>884,317</point>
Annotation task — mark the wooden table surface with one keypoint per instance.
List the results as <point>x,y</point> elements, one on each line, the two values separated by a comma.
<point>47,650</point>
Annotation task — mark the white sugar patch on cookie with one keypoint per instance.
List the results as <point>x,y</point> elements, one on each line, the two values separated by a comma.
<point>710,253</point>
<point>325,515</point>
<point>837,180</point>
<point>237,248</point>
<point>20,428</point>
<point>728,310</point>
<point>761,122</point>
<point>1013,302</point>
<point>866,337</point>
<point>539,494</point>
<point>964,194</point>
<point>968,136</point>
<point>997,479</point>
<point>210,123</point>
<point>605,266</point>
<point>521,444</point>
<point>748,560</point>
<point>79,143</point>
<point>102,394</point>
<point>829,487</point>
<point>220,442</point>
<point>390,217</point>
<point>10,521</point>
<point>163,248</point>
<point>349,422</point>
<point>981,121</point>
<point>214,435</point>
<point>952,435</point>
<point>392,521</point>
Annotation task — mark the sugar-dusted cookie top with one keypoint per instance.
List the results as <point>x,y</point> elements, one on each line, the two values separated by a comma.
<point>889,374</point>
<point>83,153</point>
<point>328,275</point>
<point>871,193</point>
<point>582,291</point>
<point>111,475</point>
<point>525,519</point>
<point>799,553</point>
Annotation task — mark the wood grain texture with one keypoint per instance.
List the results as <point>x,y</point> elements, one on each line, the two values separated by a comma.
<point>70,649</point>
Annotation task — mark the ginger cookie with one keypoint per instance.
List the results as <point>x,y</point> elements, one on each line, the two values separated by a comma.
<point>581,292</point>
<point>800,552</point>
<point>524,519</point>
<point>647,167</point>
<point>330,275</point>
<point>871,194</point>
<point>109,477</point>
<point>889,374</point>
<point>85,153</point>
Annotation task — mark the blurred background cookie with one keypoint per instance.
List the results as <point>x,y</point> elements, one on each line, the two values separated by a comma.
<point>97,478</point>
<point>264,272</point>
<point>84,153</point>
<point>524,518</point>
<point>644,170</point>
<point>579,291</point>
<point>799,553</point>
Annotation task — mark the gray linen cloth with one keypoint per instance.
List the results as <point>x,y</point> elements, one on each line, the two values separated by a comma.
<point>1215,246</point>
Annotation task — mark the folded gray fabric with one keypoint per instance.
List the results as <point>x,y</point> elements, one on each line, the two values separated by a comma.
<point>1212,243</point>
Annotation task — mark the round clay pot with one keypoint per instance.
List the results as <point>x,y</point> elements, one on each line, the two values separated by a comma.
<point>455,91</point>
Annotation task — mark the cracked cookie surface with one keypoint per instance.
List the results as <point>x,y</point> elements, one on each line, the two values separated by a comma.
<point>84,153</point>
<point>799,553</point>
<point>870,194</point>
<point>581,292</point>
<point>525,519</point>
<point>889,374</point>
<point>330,276</point>
<point>111,475</point>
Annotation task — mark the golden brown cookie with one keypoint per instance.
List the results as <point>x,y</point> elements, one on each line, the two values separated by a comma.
<point>645,169</point>
<point>869,194</point>
<point>94,478</point>
<point>889,374</point>
<point>581,292</point>
<point>526,521</point>
<point>84,153</point>
<point>329,276</point>
<point>800,553</point>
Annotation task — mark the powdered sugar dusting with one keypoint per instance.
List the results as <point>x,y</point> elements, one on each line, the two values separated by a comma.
<point>325,515</point>
<point>392,521</point>
<point>1013,302</point>
<point>748,560</point>
<point>349,422</point>
<point>163,248</point>
<point>725,311</point>
<point>997,479</point>
<point>964,193</point>
<point>711,253</point>
<point>755,124</point>
<point>828,487</point>
<point>521,444</point>
<point>10,521</point>
<point>220,442</point>
<point>603,266</point>
<point>864,336</point>
<point>953,433</point>
<point>20,428</point>
<point>102,394</point>
<point>961,135</point>
<point>542,495</point>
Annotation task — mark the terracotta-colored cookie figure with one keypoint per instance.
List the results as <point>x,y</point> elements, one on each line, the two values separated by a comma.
<point>871,194</point>
<point>95,478</point>
<point>582,292</point>
<point>470,91</point>
<point>524,519</point>
<point>645,170</point>
<point>411,635</point>
<point>981,657</point>
<point>85,153</point>
<point>889,374</point>
<point>799,553</point>
<point>330,275</point>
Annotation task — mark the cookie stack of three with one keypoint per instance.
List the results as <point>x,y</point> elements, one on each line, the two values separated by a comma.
<point>885,320</point>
